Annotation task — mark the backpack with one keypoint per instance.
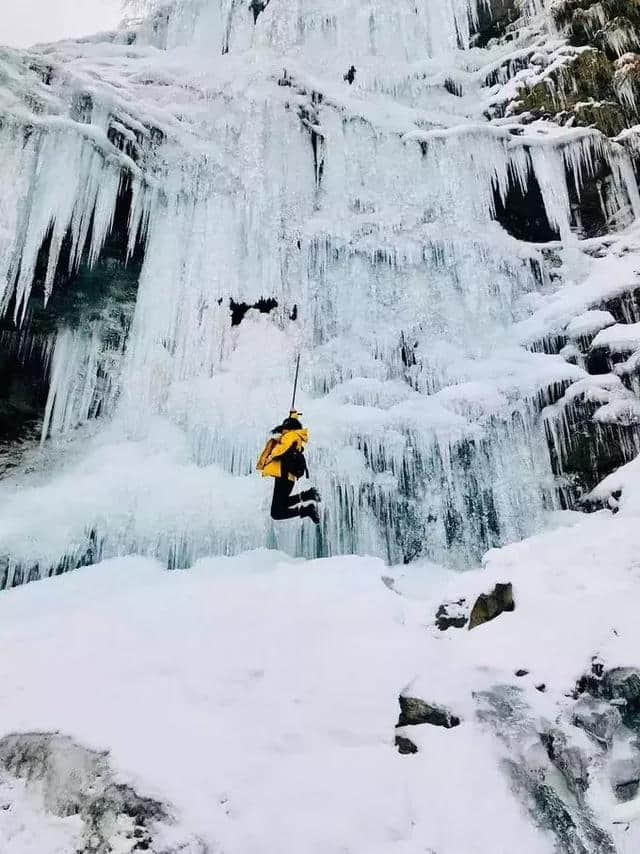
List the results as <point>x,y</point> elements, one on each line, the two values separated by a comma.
<point>266,453</point>
<point>294,463</point>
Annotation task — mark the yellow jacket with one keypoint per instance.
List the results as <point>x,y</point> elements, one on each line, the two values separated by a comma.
<point>269,463</point>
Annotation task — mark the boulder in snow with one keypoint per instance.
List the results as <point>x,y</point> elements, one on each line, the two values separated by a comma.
<point>625,777</point>
<point>490,605</point>
<point>415,711</point>
<point>405,746</point>
<point>598,719</point>
<point>569,759</point>
<point>452,615</point>
<point>622,683</point>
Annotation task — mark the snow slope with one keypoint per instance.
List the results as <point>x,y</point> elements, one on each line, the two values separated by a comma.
<point>258,695</point>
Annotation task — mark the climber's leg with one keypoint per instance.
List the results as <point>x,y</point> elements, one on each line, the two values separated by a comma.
<point>283,505</point>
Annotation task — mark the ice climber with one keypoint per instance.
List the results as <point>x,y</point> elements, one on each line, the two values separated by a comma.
<point>283,459</point>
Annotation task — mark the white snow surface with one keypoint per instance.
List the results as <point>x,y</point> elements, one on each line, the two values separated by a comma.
<point>258,694</point>
<point>589,323</point>
<point>621,338</point>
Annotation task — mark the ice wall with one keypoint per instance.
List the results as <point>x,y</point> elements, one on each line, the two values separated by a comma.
<point>327,31</point>
<point>365,210</point>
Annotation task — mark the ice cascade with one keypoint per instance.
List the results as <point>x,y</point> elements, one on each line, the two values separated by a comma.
<point>228,147</point>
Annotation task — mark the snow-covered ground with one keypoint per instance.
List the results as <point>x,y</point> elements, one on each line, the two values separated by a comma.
<point>258,695</point>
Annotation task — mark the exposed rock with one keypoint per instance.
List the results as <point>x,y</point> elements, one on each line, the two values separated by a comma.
<point>590,450</point>
<point>264,305</point>
<point>590,21</point>
<point>549,812</point>
<point>532,775</point>
<point>627,76</point>
<point>522,212</point>
<point>70,780</point>
<point>622,683</point>
<point>490,605</point>
<point>588,89</point>
<point>599,84</point>
<point>405,745</point>
<point>619,685</point>
<point>453,87</point>
<point>415,711</point>
<point>350,75</point>
<point>494,19</point>
<point>627,791</point>
<point>590,682</point>
<point>598,719</point>
<point>625,778</point>
<point>257,7</point>
<point>569,760</point>
<point>452,615</point>
<point>85,296</point>
<point>520,673</point>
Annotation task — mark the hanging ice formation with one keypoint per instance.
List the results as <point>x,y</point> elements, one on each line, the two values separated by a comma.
<point>213,152</point>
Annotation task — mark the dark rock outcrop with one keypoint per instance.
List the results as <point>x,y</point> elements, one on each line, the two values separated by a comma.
<point>264,305</point>
<point>620,686</point>
<point>83,295</point>
<point>625,777</point>
<point>569,760</point>
<point>70,780</point>
<point>598,719</point>
<point>623,684</point>
<point>488,606</point>
<point>522,212</point>
<point>534,777</point>
<point>494,20</point>
<point>257,7</point>
<point>415,711</point>
<point>549,812</point>
<point>452,615</point>
<point>405,746</point>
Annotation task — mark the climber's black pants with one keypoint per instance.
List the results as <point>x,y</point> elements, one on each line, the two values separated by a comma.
<point>283,505</point>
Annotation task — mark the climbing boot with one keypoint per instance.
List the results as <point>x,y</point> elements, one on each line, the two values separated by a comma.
<point>311,495</point>
<point>310,511</point>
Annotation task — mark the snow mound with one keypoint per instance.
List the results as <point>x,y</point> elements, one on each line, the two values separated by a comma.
<point>620,338</point>
<point>589,323</point>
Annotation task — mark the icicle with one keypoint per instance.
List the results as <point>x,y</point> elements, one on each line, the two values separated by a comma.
<point>406,29</point>
<point>549,168</point>
<point>84,375</point>
<point>625,178</point>
<point>73,188</point>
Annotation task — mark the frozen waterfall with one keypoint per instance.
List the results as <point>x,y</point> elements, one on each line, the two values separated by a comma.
<point>213,151</point>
